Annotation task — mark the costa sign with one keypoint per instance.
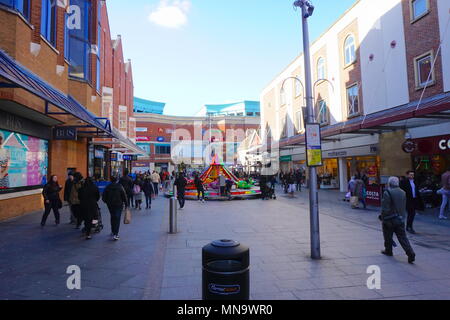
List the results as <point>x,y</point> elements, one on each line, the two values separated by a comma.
<point>444,144</point>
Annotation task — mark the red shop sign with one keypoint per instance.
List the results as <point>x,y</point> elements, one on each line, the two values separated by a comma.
<point>373,195</point>
<point>142,138</point>
<point>432,145</point>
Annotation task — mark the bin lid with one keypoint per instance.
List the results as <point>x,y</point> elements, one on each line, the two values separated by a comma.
<point>224,243</point>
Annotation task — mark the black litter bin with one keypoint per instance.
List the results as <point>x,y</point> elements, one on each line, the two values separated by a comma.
<point>226,271</point>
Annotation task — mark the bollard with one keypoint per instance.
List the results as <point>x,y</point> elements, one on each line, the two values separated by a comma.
<point>172,215</point>
<point>226,273</point>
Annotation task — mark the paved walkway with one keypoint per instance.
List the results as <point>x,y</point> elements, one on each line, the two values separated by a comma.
<point>147,263</point>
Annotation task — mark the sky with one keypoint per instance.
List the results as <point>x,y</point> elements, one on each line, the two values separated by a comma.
<point>188,53</point>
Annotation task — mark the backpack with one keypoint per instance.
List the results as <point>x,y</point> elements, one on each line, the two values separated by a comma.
<point>136,189</point>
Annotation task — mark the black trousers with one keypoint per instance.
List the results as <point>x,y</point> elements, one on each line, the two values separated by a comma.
<point>181,199</point>
<point>396,226</point>
<point>155,186</point>
<point>116,214</point>
<point>148,201</point>
<point>48,207</point>
<point>77,212</point>
<point>222,190</point>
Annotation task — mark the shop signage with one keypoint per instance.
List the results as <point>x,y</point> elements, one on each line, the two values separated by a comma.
<point>99,154</point>
<point>409,146</point>
<point>444,144</point>
<point>142,138</point>
<point>137,129</point>
<point>117,156</point>
<point>373,195</point>
<point>313,146</point>
<point>432,145</point>
<point>160,139</point>
<point>18,124</point>
<point>336,154</point>
<point>65,133</point>
<point>130,157</point>
<point>285,158</point>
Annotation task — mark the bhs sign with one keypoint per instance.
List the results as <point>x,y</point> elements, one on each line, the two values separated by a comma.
<point>65,133</point>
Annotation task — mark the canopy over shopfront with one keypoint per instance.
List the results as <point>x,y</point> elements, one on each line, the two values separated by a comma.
<point>13,75</point>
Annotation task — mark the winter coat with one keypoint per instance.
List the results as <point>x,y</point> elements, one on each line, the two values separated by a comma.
<point>114,196</point>
<point>74,199</point>
<point>181,182</point>
<point>51,193</point>
<point>148,188</point>
<point>89,196</point>
<point>127,184</point>
<point>198,184</point>
<point>393,201</point>
<point>67,189</point>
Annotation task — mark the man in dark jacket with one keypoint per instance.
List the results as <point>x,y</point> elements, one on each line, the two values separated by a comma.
<point>89,196</point>
<point>115,198</point>
<point>127,184</point>
<point>393,211</point>
<point>67,190</point>
<point>413,200</point>
<point>181,183</point>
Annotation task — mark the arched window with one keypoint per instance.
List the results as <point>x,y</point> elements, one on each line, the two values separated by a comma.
<point>298,87</point>
<point>282,96</point>
<point>321,68</point>
<point>349,50</point>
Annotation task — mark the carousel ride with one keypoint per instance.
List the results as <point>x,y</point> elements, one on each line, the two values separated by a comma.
<point>210,179</point>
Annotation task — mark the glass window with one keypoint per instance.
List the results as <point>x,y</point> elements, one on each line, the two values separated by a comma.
<point>162,149</point>
<point>23,161</point>
<point>419,8</point>
<point>298,87</point>
<point>299,120</point>
<point>48,20</point>
<point>349,50</point>
<point>282,96</point>
<point>250,114</point>
<point>258,114</point>
<point>424,70</point>
<point>23,6</point>
<point>79,46</point>
<point>322,114</point>
<point>321,68</point>
<point>353,100</point>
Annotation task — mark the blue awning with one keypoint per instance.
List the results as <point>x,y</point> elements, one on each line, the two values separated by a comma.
<point>20,77</point>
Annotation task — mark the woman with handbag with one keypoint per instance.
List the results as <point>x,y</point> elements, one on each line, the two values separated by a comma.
<point>51,199</point>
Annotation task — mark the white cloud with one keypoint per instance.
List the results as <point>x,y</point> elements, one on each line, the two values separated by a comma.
<point>171,13</point>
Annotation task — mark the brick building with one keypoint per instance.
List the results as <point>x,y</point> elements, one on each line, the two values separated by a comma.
<point>381,76</point>
<point>64,86</point>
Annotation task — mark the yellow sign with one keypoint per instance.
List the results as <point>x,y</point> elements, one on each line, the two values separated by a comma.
<point>314,157</point>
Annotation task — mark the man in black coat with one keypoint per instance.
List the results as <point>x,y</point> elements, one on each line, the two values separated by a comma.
<point>115,198</point>
<point>127,184</point>
<point>413,200</point>
<point>67,190</point>
<point>181,183</point>
<point>89,196</point>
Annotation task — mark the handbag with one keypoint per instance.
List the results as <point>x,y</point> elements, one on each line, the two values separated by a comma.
<point>127,217</point>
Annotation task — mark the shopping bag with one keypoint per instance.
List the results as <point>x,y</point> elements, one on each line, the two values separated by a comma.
<point>354,201</point>
<point>127,217</point>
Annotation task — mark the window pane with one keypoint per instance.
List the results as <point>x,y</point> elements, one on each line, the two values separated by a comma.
<point>419,8</point>
<point>349,50</point>
<point>353,101</point>
<point>424,69</point>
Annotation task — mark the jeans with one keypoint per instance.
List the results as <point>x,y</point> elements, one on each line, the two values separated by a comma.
<point>181,199</point>
<point>116,214</point>
<point>148,201</point>
<point>48,207</point>
<point>202,193</point>
<point>130,199</point>
<point>445,201</point>
<point>155,186</point>
<point>396,226</point>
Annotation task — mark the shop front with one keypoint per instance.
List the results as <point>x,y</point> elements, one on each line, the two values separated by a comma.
<point>117,164</point>
<point>97,158</point>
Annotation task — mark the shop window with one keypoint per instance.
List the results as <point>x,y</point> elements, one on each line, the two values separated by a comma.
<point>322,113</point>
<point>349,50</point>
<point>321,68</point>
<point>23,162</point>
<point>48,20</point>
<point>78,37</point>
<point>353,100</point>
<point>22,6</point>
<point>162,149</point>
<point>423,70</point>
<point>419,8</point>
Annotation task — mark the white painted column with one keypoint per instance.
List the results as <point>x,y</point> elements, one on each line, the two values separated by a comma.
<point>342,162</point>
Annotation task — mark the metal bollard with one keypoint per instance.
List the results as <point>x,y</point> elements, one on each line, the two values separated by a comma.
<point>173,215</point>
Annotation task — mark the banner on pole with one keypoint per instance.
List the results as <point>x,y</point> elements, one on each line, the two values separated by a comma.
<point>313,145</point>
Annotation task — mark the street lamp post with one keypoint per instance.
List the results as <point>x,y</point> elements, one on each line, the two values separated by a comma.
<point>307,11</point>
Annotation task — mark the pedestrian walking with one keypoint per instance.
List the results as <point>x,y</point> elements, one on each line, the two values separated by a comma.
<point>291,184</point>
<point>51,200</point>
<point>156,179</point>
<point>75,200</point>
<point>127,183</point>
<point>298,179</point>
<point>89,195</point>
<point>360,191</point>
<point>149,192</point>
<point>413,200</point>
<point>445,192</point>
<point>115,198</point>
<point>222,184</point>
<point>67,189</point>
<point>200,188</point>
<point>393,212</point>
<point>138,193</point>
<point>180,183</point>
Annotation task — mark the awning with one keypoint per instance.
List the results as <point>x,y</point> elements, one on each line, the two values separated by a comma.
<point>121,143</point>
<point>425,112</point>
<point>18,76</point>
